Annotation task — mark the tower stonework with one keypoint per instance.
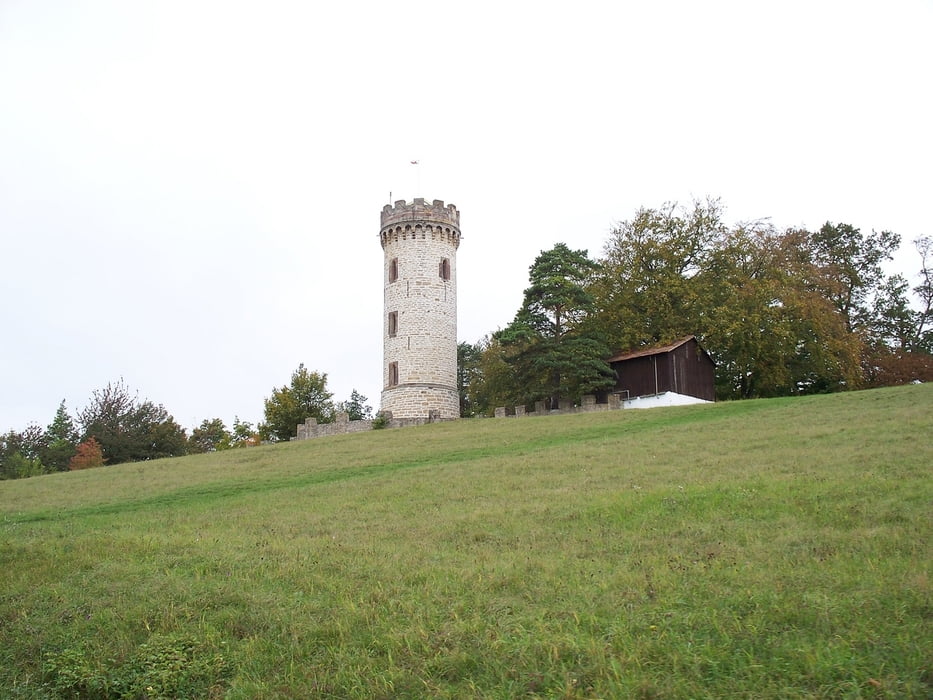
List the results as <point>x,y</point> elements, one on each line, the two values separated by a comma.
<point>419,374</point>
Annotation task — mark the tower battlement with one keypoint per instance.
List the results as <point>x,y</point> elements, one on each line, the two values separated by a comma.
<point>402,213</point>
<point>420,221</point>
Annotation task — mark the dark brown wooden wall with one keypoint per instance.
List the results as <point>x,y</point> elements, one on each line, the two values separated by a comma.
<point>685,370</point>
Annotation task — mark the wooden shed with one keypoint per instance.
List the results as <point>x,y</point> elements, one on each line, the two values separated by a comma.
<point>683,368</point>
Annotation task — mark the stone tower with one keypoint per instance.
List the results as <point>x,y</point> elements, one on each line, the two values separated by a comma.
<point>419,373</point>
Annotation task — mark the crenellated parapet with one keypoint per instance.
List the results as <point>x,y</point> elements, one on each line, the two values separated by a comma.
<point>403,212</point>
<point>420,221</point>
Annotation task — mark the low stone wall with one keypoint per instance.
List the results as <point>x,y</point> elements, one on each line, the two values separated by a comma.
<point>587,405</point>
<point>343,425</point>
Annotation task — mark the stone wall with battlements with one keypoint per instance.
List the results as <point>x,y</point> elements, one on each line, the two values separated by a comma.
<point>342,425</point>
<point>420,244</point>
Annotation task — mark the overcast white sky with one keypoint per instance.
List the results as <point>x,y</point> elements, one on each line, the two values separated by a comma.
<point>190,191</point>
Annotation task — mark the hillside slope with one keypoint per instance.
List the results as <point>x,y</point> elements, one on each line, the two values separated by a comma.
<point>773,548</point>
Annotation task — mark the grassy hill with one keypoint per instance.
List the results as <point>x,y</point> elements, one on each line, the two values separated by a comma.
<point>768,549</point>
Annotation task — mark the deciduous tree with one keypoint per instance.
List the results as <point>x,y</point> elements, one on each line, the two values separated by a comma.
<point>847,266</point>
<point>495,383</point>
<point>646,291</point>
<point>770,331</point>
<point>468,374</point>
<point>900,348</point>
<point>19,453</point>
<point>742,317</point>
<point>129,430</point>
<point>88,455</point>
<point>356,407</point>
<point>210,436</point>
<point>244,434</point>
<point>923,332</point>
<point>305,397</point>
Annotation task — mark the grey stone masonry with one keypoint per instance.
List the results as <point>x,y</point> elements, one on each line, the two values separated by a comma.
<point>343,425</point>
<point>587,405</point>
<point>419,242</point>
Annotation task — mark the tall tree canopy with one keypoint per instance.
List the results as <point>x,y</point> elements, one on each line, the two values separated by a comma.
<point>553,350</point>
<point>646,290</point>
<point>848,268</point>
<point>779,312</point>
<point>770,331</point>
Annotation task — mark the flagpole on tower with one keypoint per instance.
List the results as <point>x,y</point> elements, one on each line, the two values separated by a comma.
<point>416,163</point>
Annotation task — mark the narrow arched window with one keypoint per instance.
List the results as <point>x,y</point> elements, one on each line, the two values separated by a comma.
<point>393,374</point>
<point>444,269</point>
<point>393,323</point>
<point>393,270</point>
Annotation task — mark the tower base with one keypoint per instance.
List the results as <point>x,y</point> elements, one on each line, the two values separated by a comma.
<point>421,401</point>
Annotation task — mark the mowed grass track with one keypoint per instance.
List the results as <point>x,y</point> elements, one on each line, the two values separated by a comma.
<point>759,549</point>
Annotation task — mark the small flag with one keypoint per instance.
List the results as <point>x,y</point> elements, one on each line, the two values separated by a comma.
<point>414,162</point>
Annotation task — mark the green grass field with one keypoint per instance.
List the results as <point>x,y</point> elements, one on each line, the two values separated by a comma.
<point>760,549</point>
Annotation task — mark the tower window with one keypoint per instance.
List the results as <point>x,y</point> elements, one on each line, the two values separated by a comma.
<point>393,374</point>
<point>393,323</point>
<point>393,270</point>
<point>444,269</point>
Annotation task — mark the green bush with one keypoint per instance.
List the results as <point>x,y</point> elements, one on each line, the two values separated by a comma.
<point>71,674</point>
<point>166,666</point>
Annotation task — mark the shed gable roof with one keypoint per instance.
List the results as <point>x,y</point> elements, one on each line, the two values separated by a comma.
<point>647,352</point>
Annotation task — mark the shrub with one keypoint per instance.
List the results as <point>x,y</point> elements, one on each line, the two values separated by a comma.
<point>88,454</point>
<point>166,666</point>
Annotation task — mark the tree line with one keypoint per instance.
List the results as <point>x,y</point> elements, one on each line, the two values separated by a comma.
<point>117,427</point>
<point>781,312</point>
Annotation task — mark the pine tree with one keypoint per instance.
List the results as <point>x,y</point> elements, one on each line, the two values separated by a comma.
<point>554,352</point>
<point>61,440</point>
